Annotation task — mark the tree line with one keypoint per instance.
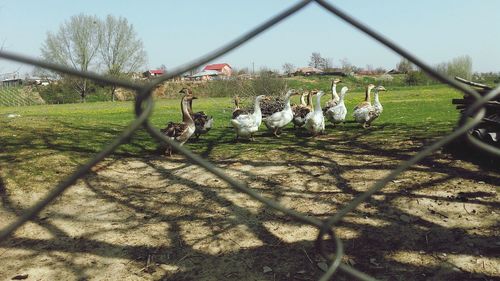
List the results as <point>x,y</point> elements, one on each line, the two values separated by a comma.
<point>111,46</point>
<point>459,66</point>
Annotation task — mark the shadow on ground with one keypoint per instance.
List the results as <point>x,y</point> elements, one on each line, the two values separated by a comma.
<point>148,217</point>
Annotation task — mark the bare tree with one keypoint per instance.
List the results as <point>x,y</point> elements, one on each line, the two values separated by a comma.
<point>75,45</point>
<point>288,68</point>
<point>346,66</point>
<point>404,66</point>
<point>327,63</point>
<point>121,51</point>
<point>316,60</point>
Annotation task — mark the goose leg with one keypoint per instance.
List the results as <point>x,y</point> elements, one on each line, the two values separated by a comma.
<point>275,132</point>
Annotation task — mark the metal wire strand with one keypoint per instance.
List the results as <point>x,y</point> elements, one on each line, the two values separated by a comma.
<point>144,106</point>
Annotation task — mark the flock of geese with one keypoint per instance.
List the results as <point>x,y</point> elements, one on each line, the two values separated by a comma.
<point>276,114</point>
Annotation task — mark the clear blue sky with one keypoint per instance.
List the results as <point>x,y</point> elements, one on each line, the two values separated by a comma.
<point>176,31</point>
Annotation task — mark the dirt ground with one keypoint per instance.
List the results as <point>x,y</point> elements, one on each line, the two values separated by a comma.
<point>156,219</point>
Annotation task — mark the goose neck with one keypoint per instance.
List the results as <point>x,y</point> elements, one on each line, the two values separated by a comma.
<point>309,99</point>
<point>186,107</point>
<point>335,95</point>
<point>237,103</point>
<point>256,106</point>
<point>317,105</point>
<point>367,94</point>
<point>287,101</point>
<point>302,100</point>
<point>375,96</point>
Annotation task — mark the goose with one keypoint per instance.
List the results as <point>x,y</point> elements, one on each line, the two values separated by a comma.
<point>280,119</point>
<point>377,106</point>
<point>268,106</point>
<point>337,113</point>
<point>361,112</point>
<point>302,102</point>
<point>315,121</point>
<point>203,123</point>
<point>245,125</point>
<point>181,132</point>
<point>300,111</point>
<point>364,113</point>
<point>335,97</point>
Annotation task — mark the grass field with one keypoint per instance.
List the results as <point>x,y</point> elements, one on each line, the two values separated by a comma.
<point>139,205</point>
<point>77,131</point>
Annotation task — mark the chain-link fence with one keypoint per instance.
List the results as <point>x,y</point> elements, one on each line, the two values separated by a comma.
<point>144,106</point>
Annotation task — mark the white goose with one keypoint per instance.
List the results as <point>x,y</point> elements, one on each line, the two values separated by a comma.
<point>315,121</point>
<point>337,113</point>
<point>245,125</point>
<point>280,119</point>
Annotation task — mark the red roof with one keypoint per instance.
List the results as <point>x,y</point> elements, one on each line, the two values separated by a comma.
<point>157,71</point>
<point>217,66</point>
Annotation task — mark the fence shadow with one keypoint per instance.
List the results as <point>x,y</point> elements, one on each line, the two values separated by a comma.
<point>160,218</point>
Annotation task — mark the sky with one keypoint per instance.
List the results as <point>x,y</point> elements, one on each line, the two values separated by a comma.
<point>177,31</point>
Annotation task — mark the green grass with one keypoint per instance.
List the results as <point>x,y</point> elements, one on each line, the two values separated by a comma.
<point>49,141</point>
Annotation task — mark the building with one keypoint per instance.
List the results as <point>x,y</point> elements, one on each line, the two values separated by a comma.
<point>308,70</point>
<point>205,75</point>
<point>224,69</point>
<point>153,73</point>
<point>13,82</point>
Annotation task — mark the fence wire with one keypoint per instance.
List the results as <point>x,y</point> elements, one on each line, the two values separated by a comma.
<point>144,106</point>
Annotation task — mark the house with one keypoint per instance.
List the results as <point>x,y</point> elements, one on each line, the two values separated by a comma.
<point>153,73</point>
<point>205,75</point>
<point>13,82</point>
<point>308,70</point>
<point>223,69</point>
